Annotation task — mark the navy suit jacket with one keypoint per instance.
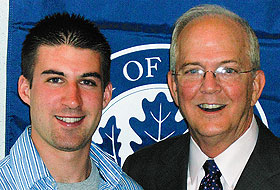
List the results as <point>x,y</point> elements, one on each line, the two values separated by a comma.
<point>164,165</point>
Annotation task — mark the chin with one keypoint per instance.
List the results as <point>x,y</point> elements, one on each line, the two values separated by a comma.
<point>211,131</point>
<point>70,146</point>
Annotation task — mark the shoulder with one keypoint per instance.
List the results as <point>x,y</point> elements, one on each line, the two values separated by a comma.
<point>5,162</point>
<point>128,183</point>
<point>6,174</point>
<point>152,165</point>
<point>23,167</point>
<point>174,144</point>
<point>125,183</point>
<point>266,138</point>
<point>267,149</point>
<point>112,174</point>
<point>167,151</point>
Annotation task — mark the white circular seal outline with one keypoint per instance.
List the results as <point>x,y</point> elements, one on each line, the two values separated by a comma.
<point>139,48</point>
<point>167,46</point>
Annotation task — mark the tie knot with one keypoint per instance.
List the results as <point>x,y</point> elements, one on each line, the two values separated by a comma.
<point>211,168</point>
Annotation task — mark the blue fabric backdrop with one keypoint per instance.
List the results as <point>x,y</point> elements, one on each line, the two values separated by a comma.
<point>141,111</point>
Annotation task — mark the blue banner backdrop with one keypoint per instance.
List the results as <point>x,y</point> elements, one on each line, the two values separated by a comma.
<point>141,111</point>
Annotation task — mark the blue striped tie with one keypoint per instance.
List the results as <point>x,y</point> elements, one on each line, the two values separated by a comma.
<point>211,180</point>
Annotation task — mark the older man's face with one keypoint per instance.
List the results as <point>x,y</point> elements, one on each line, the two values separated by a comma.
<point>214,107</point>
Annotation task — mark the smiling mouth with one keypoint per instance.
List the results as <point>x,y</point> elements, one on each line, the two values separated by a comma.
<point>211,107</point>
<point>70,119</point>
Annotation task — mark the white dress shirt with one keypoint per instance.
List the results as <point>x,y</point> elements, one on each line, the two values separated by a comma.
<point>231,162</point>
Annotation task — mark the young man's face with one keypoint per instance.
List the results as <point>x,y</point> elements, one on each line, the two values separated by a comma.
<point>66,98</point>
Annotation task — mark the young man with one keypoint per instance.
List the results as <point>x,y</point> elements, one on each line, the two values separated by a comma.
<point>215,80</point>
<point>66,82</point>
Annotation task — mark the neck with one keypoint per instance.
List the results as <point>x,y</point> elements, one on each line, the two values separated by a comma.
<point>66,167</point>
<point>212,147</point>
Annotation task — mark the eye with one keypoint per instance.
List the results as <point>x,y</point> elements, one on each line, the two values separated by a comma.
<point>55,80</point>
<point>226,70</point>
<point>88,83</point>
<point>194,72</point>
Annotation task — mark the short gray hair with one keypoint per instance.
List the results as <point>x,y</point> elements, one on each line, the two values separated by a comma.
<point>203,10</point>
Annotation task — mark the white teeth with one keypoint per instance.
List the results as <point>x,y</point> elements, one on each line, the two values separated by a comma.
<point>210,106</point>
<point>69,119</point>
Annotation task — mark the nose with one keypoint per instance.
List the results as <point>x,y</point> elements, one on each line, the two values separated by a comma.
<point>210,83</point>
<point>72,96</point>
<point>214,74</point>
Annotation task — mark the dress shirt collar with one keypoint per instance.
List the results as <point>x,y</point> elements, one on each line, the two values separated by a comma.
<point>196,160</point>
<point>27,164</point>
<point>110,171</point>
<point>230,167</point>
<point>29,168</point>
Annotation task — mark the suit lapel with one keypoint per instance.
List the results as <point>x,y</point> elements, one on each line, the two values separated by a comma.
<point>175,163</point>
<point>260,167</point>
<point>262,162</point>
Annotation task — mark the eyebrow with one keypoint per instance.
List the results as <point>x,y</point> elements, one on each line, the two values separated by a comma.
<point>90,74</point>
<point>229,61</point>
<point>53,72</point>
<point>199,64</point>
<point>189,63</point>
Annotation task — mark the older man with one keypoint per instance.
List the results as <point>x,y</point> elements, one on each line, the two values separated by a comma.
<point>215,80</point>
<point>66,82</point>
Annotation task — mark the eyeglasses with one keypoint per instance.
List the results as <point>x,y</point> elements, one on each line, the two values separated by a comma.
<point>223,74</point>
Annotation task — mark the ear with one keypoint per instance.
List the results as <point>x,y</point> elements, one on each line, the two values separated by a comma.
<point>172,86</point>
<point>107,95</point>
<point>24,89</point>
<point>258,85</point>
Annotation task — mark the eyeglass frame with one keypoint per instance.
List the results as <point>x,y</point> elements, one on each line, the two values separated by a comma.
<point>215,72</point>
